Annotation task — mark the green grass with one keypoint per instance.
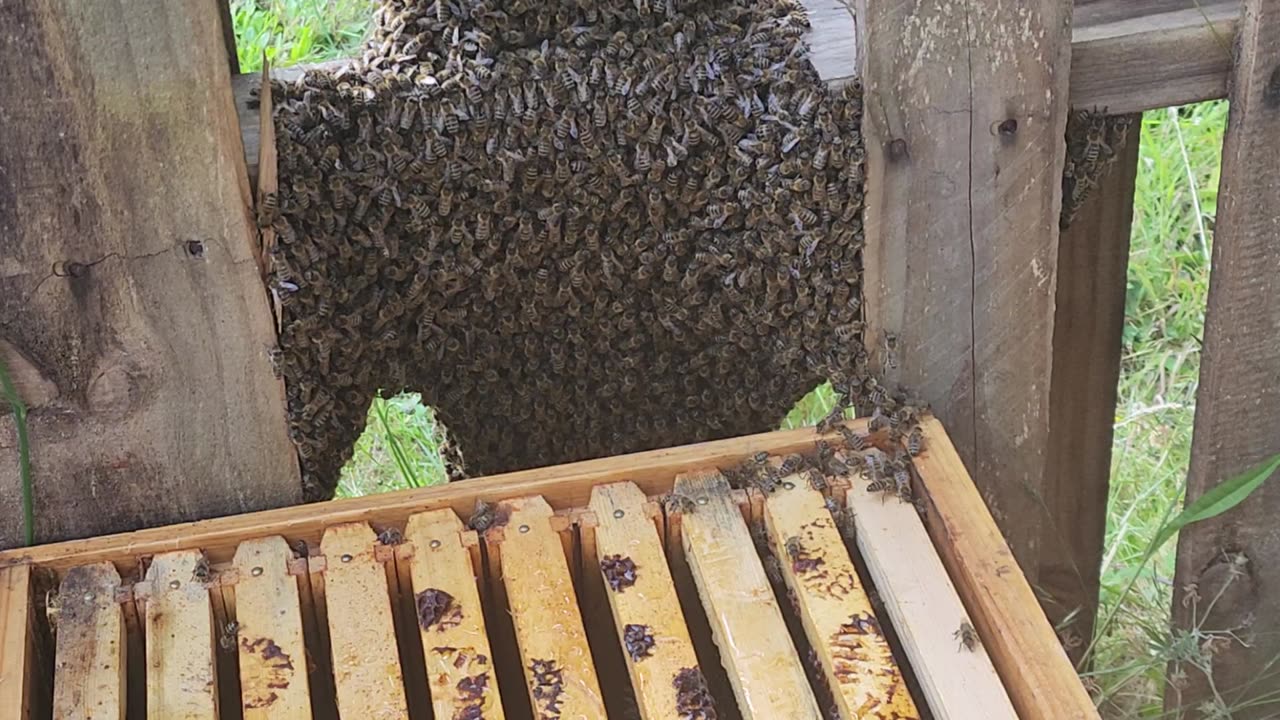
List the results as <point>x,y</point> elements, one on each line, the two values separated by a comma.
<point>1176,202</point>
<point>297,31</point>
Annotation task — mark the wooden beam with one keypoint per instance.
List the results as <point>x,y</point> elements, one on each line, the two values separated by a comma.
<point>19,671</point>
<point>1093,262</point>
<point>1130,56</point>
<point>966,108</point>
<point>1227,572</point>
<point>1039,677</point>
<point>130,303</point>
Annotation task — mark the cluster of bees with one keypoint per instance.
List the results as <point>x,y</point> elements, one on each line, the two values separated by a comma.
<point>578,229</point>
<point>1094,138</point>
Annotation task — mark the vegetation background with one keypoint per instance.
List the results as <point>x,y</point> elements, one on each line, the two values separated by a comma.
<point>1176,202</point>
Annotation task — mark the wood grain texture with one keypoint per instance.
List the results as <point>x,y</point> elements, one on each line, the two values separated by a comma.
<point>181,682</point>
<point>965,114</point>
<point>89,662</point>
<point>459,661</point>
<point>127,283</point>
<point>564,486</point>
<point>1129,57</point>
<point>1037,674</point>
<point>548,625</point>
<point>362,636</point>
<point>1093,261</point>
<point>1227,574</point>
<point>755,647</point>
<point>834,608</point>
<point>925,609</point>
<point>625,527</point>
<point>17,644</point>
<point>271,650</point>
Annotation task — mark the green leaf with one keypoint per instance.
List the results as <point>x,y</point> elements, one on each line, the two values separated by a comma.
<point>1218,499</point>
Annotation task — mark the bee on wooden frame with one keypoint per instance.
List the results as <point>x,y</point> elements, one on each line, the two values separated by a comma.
<point>967,636</point>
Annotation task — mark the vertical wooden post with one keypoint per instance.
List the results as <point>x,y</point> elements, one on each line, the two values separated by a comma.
<point>20,681</point>
<point>131,309</point>
<point>1228,579</point>
<point>965,112</point>
<point>1093,263</point>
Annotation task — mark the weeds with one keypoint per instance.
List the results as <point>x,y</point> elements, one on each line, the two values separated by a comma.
<point>19,410</point>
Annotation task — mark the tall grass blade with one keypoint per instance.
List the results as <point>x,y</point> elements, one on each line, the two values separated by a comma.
<point>24,453</point>
<point>1218,499</point>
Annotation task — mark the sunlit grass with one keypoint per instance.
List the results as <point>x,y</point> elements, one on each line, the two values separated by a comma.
<point>297,31</point>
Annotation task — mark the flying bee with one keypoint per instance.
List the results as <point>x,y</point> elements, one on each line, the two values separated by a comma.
<point>967,636</point>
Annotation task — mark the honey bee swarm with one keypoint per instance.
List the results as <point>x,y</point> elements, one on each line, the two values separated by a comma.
<point>577,228</point>
<point>1094,139</point>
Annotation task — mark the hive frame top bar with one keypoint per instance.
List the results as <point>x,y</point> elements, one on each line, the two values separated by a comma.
<point>564,486</point>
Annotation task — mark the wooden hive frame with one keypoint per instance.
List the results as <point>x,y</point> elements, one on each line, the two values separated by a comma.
<point>576,506</point>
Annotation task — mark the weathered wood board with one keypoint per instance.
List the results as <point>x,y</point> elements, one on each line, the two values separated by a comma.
<point>459,661</point>
<point>834,609</point>
<point>270,646</point>
<point>1227,574</point>
<point>1093,262</point>
<point>755,647</point>
<point>965,111</point>
<point>89,660</point>
<point>131,312</point>
<point>181,681</point>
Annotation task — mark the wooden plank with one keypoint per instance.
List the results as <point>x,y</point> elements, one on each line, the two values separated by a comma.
<point>362,638</point>
<point>315,629</point>
<point>181,682</point>
<point>755,647</point>
<point>1173,54</point>
<point>1093,261</point>
<point>926,611</point>
<point>228,35</point>
<point>127,295</point>
<point>558,669</point>
<point>89,662</point>
<point>225,633</point>
<point>625,534</point>
<point>603,634</point>
<point>564,486</point>
<point>459,661</point>
<point>1226,569</point>
<point>271,649</point>
<point>1036,672</point>
<point>962,237</point>
<point>834,609</point>
<point>17,644</point>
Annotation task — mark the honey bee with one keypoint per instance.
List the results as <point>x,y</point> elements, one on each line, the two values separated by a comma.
<point>201,573</point>
<point>483,518</point>
<point>229,637</point>
<point>791,464</point>
<point>915,442</point>
<point>967,636</point>
<point>678,503</point>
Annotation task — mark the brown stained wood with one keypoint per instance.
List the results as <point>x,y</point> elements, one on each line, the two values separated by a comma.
<point>17,644</point>
<point>603,634</point>
<point>554,653</point>
<point>1093,261</point>
<point>270,647</point>
<point>362,638</point>
<point>459,660</point>
<point>222,602</point>
<point>965,111</point>
<point>625,528</point>
<point>755,647</point>
<point>1037,674</point>
<point>1227,573</point>
<point>181,682</point>
<point>926,612</point>
<point>128,287</point>
<point>315,629</point>
<point>1127,58</point>
<point>564,486</point>
<point>134,612</point>
<point>833,607</point>
<point>89,661</point>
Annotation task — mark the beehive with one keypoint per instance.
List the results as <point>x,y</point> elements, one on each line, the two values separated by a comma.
<point>636,586</point>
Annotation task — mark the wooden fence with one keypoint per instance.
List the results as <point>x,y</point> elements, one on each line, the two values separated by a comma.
<point>133,319</point>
